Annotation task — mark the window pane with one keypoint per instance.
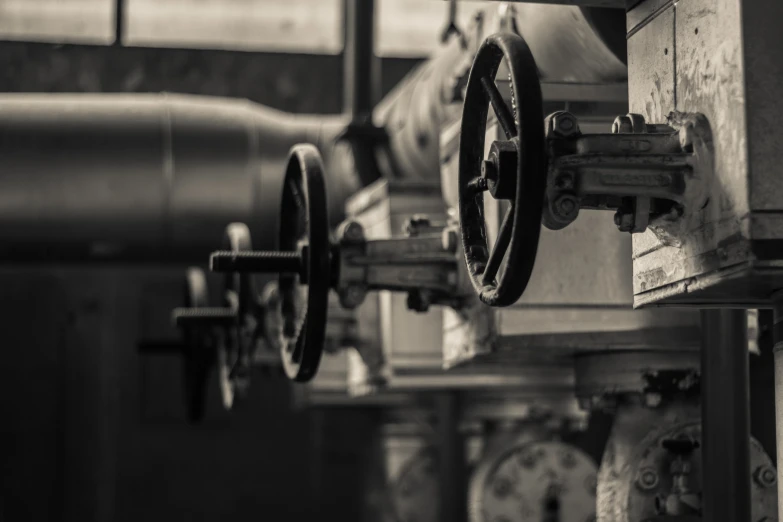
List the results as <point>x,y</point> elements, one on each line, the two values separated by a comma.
<point>297,26</point>
<point>412,28</point>
<point>59,21</point>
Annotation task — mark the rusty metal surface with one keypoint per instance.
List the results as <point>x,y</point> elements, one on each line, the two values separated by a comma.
<point>706,62</point>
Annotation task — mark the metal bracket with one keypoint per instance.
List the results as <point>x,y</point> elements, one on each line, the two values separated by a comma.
<point>642,171</point>
<point>424,265</point>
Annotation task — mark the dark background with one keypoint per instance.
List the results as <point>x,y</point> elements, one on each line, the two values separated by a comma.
<point>93,431</point>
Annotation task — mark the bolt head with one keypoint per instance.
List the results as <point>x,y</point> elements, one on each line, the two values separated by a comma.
<point>638,124</point>
<point>352,296</point>
<point>352,231</point>
<point>563,124</point>
<point>765,476</point>
<point>566,206</point>
<point>647,479</point>
<point>622,125</point>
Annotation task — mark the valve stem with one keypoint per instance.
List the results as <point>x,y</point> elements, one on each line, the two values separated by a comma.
<point>213,316</point>
<point>256,262</point>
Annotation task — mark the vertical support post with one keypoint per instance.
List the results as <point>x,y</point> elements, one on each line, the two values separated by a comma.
<point>777,333</point>
<point>451,459</point>
<point>725,416</point>
<point>361,69</point>
<point>119,22</point>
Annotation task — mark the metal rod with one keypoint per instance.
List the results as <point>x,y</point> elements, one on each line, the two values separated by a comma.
<point>451,459</point>
<point>119,20</point>
<point>361,69</point>
<point>725,416</point>
<point>777,333</point>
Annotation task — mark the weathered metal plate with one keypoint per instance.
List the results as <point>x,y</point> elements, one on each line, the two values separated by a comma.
<point>719,51</point>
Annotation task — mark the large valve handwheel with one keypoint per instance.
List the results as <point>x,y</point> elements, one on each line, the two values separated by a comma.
<point>198,347</point>
<point>515,170</point>
<point>235,352</point>
<point>304,294</point>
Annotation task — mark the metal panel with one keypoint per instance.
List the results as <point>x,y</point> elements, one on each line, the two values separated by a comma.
<point>724,68</point>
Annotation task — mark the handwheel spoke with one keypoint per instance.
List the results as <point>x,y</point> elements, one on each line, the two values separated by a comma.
<point>505,118</point>
<point>477,185</point>
<point>499,250</point>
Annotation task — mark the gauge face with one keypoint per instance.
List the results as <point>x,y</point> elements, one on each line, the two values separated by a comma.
<point>537,481</point>
<point>416,491</point>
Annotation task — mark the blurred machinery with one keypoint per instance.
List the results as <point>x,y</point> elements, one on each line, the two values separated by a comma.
<point>501,343</point>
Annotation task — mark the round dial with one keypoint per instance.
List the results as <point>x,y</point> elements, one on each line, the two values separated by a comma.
<point>415,493</point>
<point>535,481</point>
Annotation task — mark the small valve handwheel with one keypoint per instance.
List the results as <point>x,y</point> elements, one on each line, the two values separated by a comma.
<point>515,170</point>
<point>304,294</point>
<point>198,347</point>
<point>234,353</point>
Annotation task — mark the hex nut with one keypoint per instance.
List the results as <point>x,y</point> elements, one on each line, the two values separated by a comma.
<point>622,125</point>
<point>765,476</point>
<point>566,206</point>
<point>638,124</point>
<point>564,124</point>
<point>647,479</point>
<point>352,231</point>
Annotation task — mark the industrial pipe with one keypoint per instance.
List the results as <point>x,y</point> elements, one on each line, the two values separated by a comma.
<point>142,177</point>
<point>570,44</point>
<point>131,178</point>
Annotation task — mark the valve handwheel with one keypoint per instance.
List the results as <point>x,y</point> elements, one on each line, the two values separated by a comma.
<point>303,263</point>
<point>234,353</point>
<point>515,170</point>
<point>198,347</point>
<point>304,229</point>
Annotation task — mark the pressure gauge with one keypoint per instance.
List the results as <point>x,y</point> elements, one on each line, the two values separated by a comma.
<point>531,481</point>
<point>415,493</point>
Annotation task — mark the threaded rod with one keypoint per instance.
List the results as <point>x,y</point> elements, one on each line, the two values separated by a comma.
<point>256,261</point>
<point>206,315</point>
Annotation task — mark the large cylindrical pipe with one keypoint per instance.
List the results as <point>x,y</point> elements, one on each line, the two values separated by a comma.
<point>141,177</point>
<point>158,177</point>
<point>570,44</point>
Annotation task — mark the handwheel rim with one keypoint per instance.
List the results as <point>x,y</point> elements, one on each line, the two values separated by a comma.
<point>238,294</point>
<point>521,233</point>
<point>304,188</point>
<point>197,359</point>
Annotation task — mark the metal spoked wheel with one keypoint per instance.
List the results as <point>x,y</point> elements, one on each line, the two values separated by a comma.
<point>235,350</point>
<point>198,348</point>
<point>515,170</point>
<point>304,228</point>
